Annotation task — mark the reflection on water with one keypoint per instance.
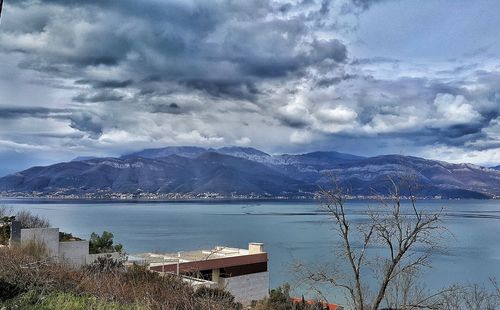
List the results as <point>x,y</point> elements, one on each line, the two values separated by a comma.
<point>291,231</point>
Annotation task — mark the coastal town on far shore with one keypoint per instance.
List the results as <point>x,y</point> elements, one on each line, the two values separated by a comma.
<point>207,196</point>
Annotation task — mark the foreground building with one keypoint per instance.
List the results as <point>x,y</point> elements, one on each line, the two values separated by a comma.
<point>242,272</point>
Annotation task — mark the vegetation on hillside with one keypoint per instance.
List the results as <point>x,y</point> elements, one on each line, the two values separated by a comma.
<point>26,281</point>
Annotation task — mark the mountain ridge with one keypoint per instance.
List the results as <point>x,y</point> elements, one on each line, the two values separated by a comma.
<point>231,171</point>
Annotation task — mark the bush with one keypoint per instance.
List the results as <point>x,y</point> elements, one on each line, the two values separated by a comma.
<point>5,219</point>
<point>103,244</point>
<point>279,299</point>
<point>217,295</point>
<point>4,233</point>
<point>105,264</point>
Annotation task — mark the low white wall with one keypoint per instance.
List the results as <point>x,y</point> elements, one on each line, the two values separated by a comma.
<point>74,253</point>
<point>93,257</point>
<point>247,287</point>
<point>48,236</point>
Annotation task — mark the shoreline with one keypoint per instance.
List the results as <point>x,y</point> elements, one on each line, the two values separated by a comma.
<point>32,199</point>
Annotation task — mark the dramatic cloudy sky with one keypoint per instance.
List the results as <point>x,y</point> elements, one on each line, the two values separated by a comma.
<point>103,77</point>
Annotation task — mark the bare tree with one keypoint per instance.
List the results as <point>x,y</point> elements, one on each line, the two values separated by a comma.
<point>473,296</point>
<point>27,219</point>
<point>5,211</point>
<point>30,220</point>
<point>396,230</point>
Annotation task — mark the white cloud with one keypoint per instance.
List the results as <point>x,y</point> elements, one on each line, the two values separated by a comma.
<point>243,141</point>
<point>338,115</point>
<point>195,137</point>
<point>455,109</point>
<point>301,137</point>
<point>488,157</point>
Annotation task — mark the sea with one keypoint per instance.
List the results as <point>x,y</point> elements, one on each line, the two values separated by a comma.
<point>293,233</point>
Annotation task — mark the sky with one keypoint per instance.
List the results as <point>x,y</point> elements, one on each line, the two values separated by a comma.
<point>367,77</point>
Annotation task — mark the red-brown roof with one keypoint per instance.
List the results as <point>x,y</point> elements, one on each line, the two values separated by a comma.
<point>213,263</point>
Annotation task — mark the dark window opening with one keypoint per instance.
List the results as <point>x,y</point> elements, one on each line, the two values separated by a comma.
<point>202,274</point>
<point>241,270</point>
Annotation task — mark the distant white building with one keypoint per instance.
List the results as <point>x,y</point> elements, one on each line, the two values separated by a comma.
<point>242,272</point>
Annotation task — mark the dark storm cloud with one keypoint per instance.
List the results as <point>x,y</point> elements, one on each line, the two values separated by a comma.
<point>16,112</point>
<point>220,48</point>
<point>455,135</point>
<point>327,82</point>
<point>292,122</point>
<point>463,130</point>
<point>224,88</point>
<point>365,4</point>
<point>98,96</point>
<point>169,108</point>
<point>333,50</point>
<point>86,122</point>
<point>106,83</point>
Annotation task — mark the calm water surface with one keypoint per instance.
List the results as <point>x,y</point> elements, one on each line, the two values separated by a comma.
<point>291,231</point>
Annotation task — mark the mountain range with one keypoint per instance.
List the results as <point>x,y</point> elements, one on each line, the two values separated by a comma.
<point>231,171</point>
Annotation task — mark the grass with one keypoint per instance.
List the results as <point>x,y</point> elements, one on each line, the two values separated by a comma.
<point>63,301</point>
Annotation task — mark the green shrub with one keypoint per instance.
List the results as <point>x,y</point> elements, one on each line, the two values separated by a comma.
<point>103,244</point>
<point>105,264</point>
<point>4,233</point>
<point>216,294</point>
<point>5,219</point>
<point>58,300</point>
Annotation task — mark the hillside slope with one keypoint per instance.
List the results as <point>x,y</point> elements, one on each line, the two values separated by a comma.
<point>243,171</point>
<point>209,172</point>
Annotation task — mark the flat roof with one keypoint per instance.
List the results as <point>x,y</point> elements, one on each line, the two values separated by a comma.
<point>188,256</point>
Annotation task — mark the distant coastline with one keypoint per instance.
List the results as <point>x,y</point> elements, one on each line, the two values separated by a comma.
<point>229,200</point>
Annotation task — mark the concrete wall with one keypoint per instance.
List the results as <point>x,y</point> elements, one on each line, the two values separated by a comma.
<point>74,253</point>
<point>48,236</point>
<point>247,287</point>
